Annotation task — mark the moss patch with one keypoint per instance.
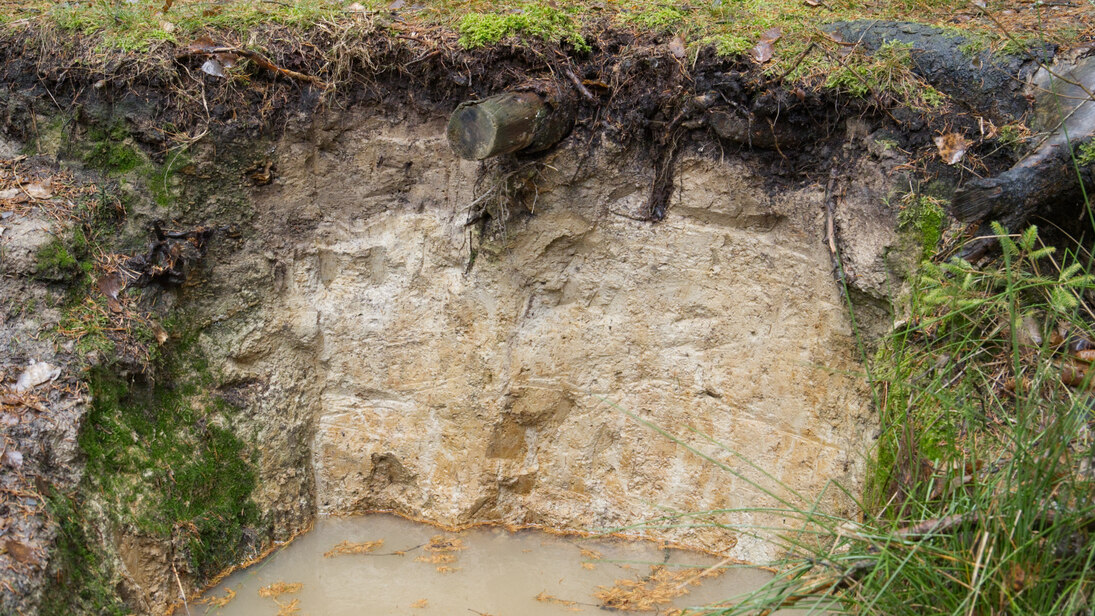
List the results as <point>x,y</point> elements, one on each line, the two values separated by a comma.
<point>924,216</point>
<point>78,582</point>
<point>55,261</point>
<point>163,458</point>
<point>110,151</point>
<point>1085,154</point>
<point>543,22</point>
<point>658,18</point>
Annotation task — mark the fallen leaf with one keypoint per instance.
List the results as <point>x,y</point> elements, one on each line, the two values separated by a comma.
<point>36,373</point>
<point>771,34</point>
<point>213,67</point>
<point>159,332</point>
<point>10,193</point>
<point>111,284</point>
<point>952,147</point>
<point>20,551</point>
<point>1087,355</point>
<point>1073,374</point>
<point>676,47</point>
<point>811,3</point>
<point>39,191</point>
<point>13,458</point>
<point>203,45</point>
<point>420,603</point>
<point>763,51</point>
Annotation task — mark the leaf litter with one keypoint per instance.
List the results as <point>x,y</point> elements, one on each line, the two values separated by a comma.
<point>349,547</point>
<point>649,593</point>
<point>277,589</point>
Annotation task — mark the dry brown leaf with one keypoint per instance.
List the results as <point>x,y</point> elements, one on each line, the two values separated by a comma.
<point>13,458</point>
<point>952,147</point>
<point>20,551</point>
<point>1074,374</point>
<point>447,569</point>
<point>1087,355</point>
<point>203,45</point>
<point>43,190</point>
<point>111,284</point>
<point>763,51</point>
<point>589,566</point>
<point>676,47</point>
<point>158,331</point>
<point>277,589</point>
<point>420,603</point>
<point>349,547</point>
<point>772,34</point>
<point>213,67</point>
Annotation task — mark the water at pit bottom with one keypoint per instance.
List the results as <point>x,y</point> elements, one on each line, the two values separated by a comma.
<point>497,573</point>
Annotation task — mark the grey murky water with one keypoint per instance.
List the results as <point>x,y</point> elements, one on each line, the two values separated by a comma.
<point>479,571</point>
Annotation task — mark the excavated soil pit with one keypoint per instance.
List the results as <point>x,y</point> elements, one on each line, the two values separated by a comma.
<point>418,569</point>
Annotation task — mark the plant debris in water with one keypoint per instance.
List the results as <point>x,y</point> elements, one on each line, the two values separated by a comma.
<point>216,601</point>
<point>442,551</point>
<point>288,609</point>
<point>277,589</point>
<point>349,547</point>
<point>649,593</point>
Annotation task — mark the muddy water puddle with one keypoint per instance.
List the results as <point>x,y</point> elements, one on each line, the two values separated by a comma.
<point>384,566</point>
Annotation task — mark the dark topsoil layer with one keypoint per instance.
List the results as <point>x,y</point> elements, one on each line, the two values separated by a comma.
<point>635,91</point>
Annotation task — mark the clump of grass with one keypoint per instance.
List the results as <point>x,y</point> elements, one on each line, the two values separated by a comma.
<point>887,74</point>
<point>538,21</point>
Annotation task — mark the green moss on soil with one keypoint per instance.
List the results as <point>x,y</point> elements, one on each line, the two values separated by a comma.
<point>543,22</point>
<point>924,216</point>
<point>78,580</point>
<point>109,150</point>
<point>164,459</point>
<point>55,260</point>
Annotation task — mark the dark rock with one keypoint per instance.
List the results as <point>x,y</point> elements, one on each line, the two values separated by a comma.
<point>987,83</point>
